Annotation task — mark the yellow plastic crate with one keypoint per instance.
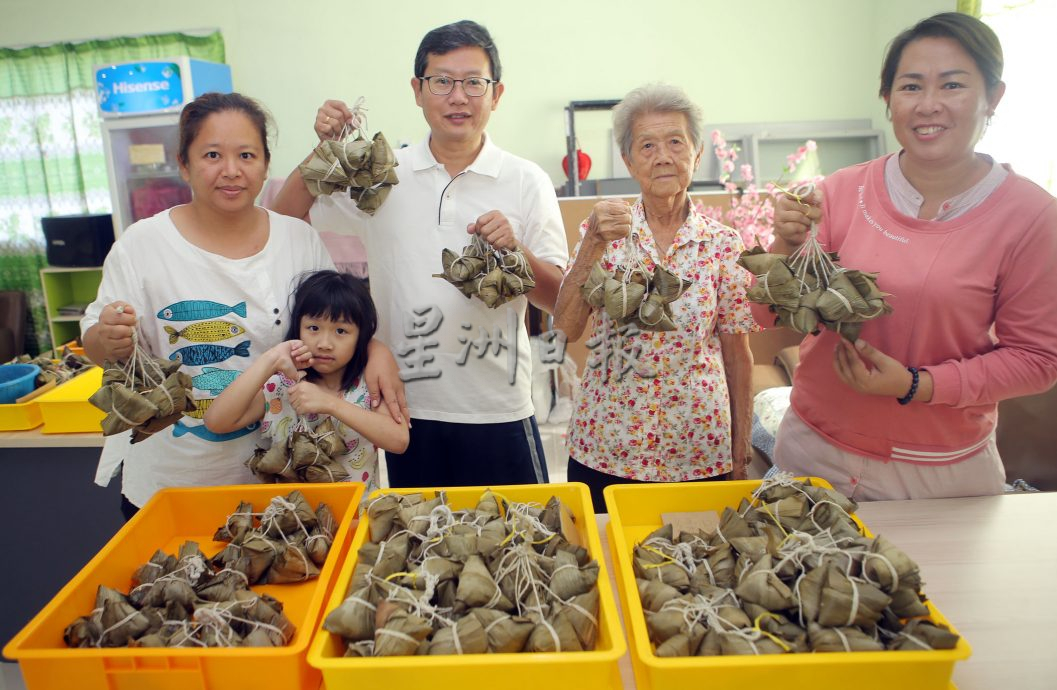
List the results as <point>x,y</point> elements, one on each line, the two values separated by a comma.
<point>578,670</point>
<point>72,346</point>
<point>66,409</point>
<point>20,416</point>
<point>635,511</point>
<point>172,517</point>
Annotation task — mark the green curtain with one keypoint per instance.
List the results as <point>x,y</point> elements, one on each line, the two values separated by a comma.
<point>52,160</point>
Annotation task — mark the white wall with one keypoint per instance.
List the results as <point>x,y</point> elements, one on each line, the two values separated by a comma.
<point>743,60</point>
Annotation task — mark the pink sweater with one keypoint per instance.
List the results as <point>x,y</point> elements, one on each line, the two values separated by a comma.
<point>951,283</point>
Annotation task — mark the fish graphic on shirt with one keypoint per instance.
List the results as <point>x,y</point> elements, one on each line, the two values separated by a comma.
<point>200,408</point>
<point>200,309</point>
<point>202,431</point>
<point>214,379</point>
<point>197,355</point>
<point>205,332</point>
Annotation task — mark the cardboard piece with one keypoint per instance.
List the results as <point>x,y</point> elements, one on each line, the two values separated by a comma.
<point>705,520</point>
<point>36,391</point>
<point>572,533</point>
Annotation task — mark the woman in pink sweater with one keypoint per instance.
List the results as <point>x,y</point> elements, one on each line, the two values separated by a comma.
<point>968,250</point>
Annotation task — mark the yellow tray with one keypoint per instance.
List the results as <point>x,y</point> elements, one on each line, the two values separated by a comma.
<point>574,670</point>
<point>635,511</point>
<point>20,416</point>
<point>66,409</point>
<point>170,518</point>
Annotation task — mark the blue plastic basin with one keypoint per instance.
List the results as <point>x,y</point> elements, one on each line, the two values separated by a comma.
<point>17,380</point>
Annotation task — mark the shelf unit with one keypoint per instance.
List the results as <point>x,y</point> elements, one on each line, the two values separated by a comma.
<point>765,145</point>
<point>63,286</point>
<point>572,185</point>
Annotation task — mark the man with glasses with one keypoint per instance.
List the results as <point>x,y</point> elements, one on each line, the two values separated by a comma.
<point>469,424</point>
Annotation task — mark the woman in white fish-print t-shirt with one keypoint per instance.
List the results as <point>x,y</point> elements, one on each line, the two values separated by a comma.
<point>206,284</point>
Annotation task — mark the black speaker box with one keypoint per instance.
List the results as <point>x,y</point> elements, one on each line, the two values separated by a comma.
<point>78,240</point>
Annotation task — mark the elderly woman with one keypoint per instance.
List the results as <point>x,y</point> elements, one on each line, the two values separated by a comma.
<point>660,406</point>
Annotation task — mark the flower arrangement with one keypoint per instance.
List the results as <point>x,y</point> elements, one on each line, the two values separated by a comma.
<point>751,210</point>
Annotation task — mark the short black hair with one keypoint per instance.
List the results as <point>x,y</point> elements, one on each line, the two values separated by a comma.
<point>444,39</point>
<point>197,111</point>
<point>976,38</point>
<point>339,297</point>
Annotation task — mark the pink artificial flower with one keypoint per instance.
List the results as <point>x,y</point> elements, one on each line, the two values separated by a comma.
<point>728,165</point>
<point>731,187</point>
<point>717,138</point>
<point>746,172</point>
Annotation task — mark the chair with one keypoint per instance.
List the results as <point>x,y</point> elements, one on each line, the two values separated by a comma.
<point>1026,439</point>
<point>12,324</point>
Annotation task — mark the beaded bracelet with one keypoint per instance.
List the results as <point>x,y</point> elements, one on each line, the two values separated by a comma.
<point>905,400</point>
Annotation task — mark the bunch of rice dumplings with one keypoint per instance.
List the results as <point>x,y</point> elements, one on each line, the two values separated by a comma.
<point>495,276</point>
<point>56,370</point>
<point>181,601</point>
<point>808,290</point>
<point>789,571</point>
<point>288,542</point>
<point>305,455</point>
<point>502,577</point>
<point>190,600</point>
<point>146,394</point>
<point>640,296</point>
<point>352,162</point>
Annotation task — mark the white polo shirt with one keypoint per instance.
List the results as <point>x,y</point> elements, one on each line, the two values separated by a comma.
<point>458,358</point>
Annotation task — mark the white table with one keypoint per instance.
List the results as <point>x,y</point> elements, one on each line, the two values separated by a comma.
<point>990,566</point>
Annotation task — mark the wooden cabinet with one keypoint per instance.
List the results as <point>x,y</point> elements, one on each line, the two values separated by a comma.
<point>65,289</point>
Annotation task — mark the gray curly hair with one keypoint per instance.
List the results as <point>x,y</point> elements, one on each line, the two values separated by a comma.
<point>655,98</point>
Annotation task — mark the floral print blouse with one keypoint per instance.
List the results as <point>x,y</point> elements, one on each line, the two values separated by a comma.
<point>653,406</point>
<point>360,458</point>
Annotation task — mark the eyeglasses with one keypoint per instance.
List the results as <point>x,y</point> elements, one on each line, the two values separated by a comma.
<point>471,86</point>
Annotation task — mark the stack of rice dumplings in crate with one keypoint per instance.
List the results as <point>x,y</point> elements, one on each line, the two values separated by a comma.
<point>502,577</point>
<point>789,571</point>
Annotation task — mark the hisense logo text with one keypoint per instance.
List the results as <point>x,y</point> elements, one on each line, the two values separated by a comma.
<point>125,87</point>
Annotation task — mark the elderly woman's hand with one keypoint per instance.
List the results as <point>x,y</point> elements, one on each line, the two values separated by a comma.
<point>793,218</point>
<point>610,220</point>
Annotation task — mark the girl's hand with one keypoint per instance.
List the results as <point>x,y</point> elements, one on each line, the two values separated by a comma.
<point>886,376</point>
<point>289,358</point>
<point>309,398</point>
<point>300,354</point>
<point>117,321</point>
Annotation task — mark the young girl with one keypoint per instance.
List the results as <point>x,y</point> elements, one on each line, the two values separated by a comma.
<point>331,324</point>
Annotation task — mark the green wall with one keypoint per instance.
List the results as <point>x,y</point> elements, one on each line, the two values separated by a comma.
<point>741,60</point>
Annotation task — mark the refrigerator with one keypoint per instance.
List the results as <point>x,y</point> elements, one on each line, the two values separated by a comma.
<point>140,104</point>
